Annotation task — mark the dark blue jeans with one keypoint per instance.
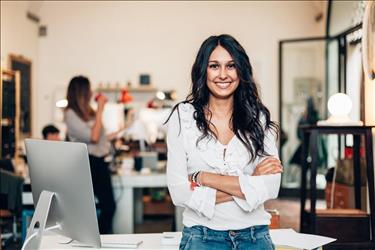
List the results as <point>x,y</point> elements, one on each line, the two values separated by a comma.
<point>202,238</point>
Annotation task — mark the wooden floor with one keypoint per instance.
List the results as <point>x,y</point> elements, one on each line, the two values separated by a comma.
<point>289,211</point>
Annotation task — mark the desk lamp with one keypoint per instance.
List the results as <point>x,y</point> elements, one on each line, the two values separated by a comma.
<point>339,106</point>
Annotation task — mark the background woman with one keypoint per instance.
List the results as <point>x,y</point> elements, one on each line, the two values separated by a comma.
<point>222,157</point>
<point>85,125</point>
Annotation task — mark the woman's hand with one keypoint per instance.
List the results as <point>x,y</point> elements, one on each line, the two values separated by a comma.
<point>97,128</point>
<point>102,100</point>
<point>270,165</point>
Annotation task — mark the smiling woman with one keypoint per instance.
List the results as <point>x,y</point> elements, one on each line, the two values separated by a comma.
<point>222,156</point>
<point>222,78</point>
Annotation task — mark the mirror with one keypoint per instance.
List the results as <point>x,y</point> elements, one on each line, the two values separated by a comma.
<point>303,98</point>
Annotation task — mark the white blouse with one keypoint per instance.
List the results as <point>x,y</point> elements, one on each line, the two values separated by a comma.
<point>80,131</point>
<point>185,157</point>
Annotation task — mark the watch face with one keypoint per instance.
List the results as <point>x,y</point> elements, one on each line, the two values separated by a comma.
<point>369,40</point>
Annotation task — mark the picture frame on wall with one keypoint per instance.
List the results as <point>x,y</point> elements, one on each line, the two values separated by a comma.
<point>144,79</point>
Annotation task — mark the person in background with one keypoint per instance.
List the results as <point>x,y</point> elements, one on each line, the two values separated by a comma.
<point>222,155</point>
<point>50,132</point>
<point>309,117</point>
<point>85,125</point>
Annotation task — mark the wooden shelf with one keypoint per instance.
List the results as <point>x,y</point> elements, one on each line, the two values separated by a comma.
<point>352,227</point>
<point>346,225</point>
<point>340,212</point>
<point>15,78</point>
<point>140,89</point>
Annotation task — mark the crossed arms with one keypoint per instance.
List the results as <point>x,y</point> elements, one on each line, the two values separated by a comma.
<point>229,186</point>
<point>248,191</point>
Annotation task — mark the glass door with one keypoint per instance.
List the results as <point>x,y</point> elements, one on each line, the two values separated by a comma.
<point>304,66</point>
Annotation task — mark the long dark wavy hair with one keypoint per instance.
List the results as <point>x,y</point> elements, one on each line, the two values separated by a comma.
<point>248,109</point>
<point>78,96</point>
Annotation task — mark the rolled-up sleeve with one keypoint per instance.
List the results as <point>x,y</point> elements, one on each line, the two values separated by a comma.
<point>77,129</point>
<point>201,199</point>
<point>258,189</point>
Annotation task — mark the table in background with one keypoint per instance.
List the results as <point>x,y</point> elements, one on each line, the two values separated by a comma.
<point>310,144</point>
<point>128,195</point>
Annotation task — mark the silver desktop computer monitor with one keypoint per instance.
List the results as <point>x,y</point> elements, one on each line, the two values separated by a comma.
<point>61,184</point>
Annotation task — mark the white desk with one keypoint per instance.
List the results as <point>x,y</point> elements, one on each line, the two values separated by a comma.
<point>128,196</point>
<point>150,241</point>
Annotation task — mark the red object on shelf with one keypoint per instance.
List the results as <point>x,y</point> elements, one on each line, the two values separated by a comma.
<point>348,152</point>
<point>151,104</point>
<point>125,97</point>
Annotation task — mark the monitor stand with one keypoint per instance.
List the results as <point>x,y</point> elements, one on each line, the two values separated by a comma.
<point>34,234</point>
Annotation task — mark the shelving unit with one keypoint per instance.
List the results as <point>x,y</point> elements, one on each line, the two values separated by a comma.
<point>9,113</point>
<point>353,228</point>
<point>140,89</point>
<point>140,94</point>
<point>24,67</point>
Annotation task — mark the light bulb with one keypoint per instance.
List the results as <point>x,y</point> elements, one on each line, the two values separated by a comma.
<point>160,95</point>
<point>339,104</point>
<point>62,103</point>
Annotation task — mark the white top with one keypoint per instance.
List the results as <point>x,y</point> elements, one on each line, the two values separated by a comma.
<point>185,157</point>
<point>80,131</point>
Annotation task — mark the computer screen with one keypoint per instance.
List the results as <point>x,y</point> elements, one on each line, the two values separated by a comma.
<point>63,168</point>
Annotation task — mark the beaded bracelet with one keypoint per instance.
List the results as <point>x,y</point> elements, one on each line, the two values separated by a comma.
<point>194,177</point>
<point>194,180</point>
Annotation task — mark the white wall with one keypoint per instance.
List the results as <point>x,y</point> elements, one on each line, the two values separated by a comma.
<point>370,102</point>
<point>116,41</point>
<point>343,15</point>
<point>19,36</point>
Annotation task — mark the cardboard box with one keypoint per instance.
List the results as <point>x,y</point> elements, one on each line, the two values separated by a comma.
<point>344,196</point>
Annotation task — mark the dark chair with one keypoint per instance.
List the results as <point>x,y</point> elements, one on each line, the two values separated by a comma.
<point>7,165</point>
<point>10,205</point>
